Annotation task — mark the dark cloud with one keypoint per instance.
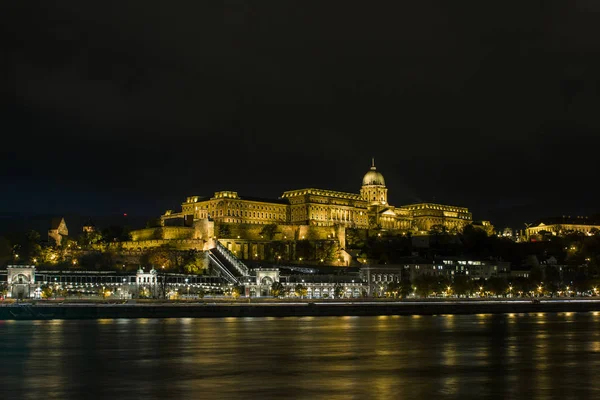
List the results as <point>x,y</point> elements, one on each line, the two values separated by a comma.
<point>116,105</point>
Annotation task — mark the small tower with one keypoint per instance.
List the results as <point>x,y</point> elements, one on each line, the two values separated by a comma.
<point>89,226</point>
<point>58,230</point>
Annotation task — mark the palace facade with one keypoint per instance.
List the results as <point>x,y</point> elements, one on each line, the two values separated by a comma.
<point>368,209</point>
<point>561,226</point>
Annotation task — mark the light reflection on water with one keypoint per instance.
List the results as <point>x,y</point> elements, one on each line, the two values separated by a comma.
<point>533,356</point>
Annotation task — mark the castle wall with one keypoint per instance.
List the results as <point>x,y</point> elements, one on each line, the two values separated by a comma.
<point>164,232</point>
<point>204,229</point>
<point>275,232</point>
<point>180,244</point>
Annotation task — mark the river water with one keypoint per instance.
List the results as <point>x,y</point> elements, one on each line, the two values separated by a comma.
<point>528,356</point>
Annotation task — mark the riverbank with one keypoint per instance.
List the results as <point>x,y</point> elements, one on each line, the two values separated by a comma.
<point>95,310</point>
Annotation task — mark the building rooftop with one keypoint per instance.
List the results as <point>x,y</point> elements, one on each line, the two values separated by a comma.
<point>567,220</point>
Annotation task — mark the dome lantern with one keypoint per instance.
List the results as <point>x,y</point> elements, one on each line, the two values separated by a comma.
<point>373,177</point>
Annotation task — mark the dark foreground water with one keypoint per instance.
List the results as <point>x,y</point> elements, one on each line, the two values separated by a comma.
<point>529,356</point>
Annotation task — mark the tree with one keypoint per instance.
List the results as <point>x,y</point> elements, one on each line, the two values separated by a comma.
<point>425,284</point>
<point>535,275</point>
<point>300,290</point>
<point>269,231</point>
<point>158,234</point>
<point>224,230</point>
<point>237,291</point>
<point>392,289</point>
<point>158,256</point>
<point>438,229</point>
<point>462,285</point>
<point>522,286</point>
<point>327,250</point>
<point>354,239</point>
<point>25,246</point>
<point>47,292</point>
<point>497,286</point>
<point>103,292</point>
<point>192,261</point>
<point>3,289</point>
<point>405,288</point>
<point>552,279</point>
<point>338,291</point>
<point>116,233</point>
<point>277,289</point>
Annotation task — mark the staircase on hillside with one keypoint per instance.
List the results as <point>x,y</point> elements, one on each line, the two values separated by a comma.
<point>232,268</point>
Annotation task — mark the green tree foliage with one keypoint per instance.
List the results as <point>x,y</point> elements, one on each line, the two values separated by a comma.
<point>496,286</point>
<point>552,280</point>
<point>158,234</point>
<point>277,249</point>
<point>535,275</point>
<point>115,233</point>
<point>392,290</point>
<point>278,289</point>
<point>47,292</point>
<point>268,231</point>
<point>355,239</point>
<point>300,290</point>
<point>405,288</point>
<point>305,249</point>
<point>223,230</point>
<point>237,291</point>
<point>26,245</point>
<point>475,241</point>
<point>87,239</point>
<point>522,286</point>
<point>425,284</point>
<point>327,250</point>
<point>462,285</point>
<point>438,229</point>
<point>338,291</point>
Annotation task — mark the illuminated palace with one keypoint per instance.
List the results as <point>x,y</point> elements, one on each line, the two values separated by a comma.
<point>368,209</point>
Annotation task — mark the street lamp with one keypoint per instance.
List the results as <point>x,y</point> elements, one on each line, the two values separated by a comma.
<point>188,288</point>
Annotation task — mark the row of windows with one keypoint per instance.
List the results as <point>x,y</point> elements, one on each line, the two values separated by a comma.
<point>229,205</point>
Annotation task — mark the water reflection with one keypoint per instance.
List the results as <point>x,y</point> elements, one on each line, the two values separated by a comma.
<point>535,356</point>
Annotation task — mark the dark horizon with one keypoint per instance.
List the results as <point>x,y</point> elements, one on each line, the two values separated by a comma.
<point>115,109</point>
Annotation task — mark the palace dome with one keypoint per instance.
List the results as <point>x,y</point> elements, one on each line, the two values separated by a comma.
<point>372,177</point>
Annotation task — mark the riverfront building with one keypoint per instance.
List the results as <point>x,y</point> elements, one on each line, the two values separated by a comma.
<point>560,226</point>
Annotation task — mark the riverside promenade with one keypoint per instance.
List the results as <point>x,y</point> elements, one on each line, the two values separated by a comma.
<point>242,308</point>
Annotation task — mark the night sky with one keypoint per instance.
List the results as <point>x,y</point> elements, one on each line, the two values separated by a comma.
<point>129,107</point>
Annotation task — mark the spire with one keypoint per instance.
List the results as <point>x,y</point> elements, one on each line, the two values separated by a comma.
<point>372,162</point>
